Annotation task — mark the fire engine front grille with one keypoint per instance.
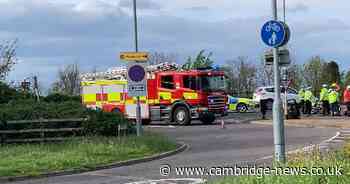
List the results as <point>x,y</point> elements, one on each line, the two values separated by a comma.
<point>216,103</point>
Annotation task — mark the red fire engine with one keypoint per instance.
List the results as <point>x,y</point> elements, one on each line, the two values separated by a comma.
<point>173,95</point>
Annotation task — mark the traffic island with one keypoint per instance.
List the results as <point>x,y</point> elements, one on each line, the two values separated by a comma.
<point>25,161</point>
<point>313,121</point>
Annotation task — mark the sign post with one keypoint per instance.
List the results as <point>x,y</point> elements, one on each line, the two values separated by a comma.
<point>276,34</point>
<point>138,107</point>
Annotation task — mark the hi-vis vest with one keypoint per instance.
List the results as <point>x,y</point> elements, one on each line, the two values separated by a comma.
<point>301,94</point>
<point>324,94</point>
<point>308,95</point>
<point>333,97</point>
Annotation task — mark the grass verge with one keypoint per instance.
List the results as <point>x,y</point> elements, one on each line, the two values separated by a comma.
<point>34,159</point>
<point>312,163</point>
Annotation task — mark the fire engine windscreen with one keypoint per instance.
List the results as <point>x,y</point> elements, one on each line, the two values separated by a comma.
<point>212,83</point>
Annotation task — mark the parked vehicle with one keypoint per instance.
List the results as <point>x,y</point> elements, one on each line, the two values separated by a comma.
<point>239,104</point>
<point>173,95</point>
<point>267,93</point>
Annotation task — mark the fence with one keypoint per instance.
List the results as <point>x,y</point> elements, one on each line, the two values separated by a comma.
<point>41,130</point>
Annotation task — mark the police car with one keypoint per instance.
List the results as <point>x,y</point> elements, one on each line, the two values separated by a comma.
<point>239,104</point>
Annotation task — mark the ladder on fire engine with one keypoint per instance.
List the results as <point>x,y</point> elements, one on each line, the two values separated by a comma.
<point>119,73</point>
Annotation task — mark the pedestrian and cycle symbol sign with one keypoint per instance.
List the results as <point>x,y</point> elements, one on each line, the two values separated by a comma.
<point>275,33</point>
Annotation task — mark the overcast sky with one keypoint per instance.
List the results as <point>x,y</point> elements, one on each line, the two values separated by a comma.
<point>53,33</point>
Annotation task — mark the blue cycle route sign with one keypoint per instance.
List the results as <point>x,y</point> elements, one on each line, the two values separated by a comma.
<point>275,33</point>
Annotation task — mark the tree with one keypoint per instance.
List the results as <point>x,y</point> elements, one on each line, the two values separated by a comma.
<point>242,77</point>
<point>264,75</point>
<point>7,57</point>
<point>160,57</point>
<point>331,73</point>
<point>68,82</point>
<point>201,61</point>
<point>7,93</point>
<point>313,71</point>
<point>295,75</point>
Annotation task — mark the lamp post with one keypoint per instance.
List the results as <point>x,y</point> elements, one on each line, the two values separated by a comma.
<point>278,124</point>
<point>138,105</point>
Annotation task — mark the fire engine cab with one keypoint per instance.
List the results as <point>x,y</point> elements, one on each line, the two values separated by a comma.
<point>173,95</point>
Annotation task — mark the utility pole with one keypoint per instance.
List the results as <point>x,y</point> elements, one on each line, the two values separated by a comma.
<point>138,106</point>
<point>278,124</point>
<point>36,88</point>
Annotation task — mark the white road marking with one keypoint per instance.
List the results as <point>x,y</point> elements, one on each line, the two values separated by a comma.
<point>307,148</point>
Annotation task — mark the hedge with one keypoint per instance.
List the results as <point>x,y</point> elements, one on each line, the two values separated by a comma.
<point>99,123</point>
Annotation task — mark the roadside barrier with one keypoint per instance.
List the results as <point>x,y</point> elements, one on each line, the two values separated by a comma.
<point>42,130</point>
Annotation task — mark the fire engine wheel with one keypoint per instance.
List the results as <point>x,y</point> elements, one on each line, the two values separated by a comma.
<point>146,121</point>
<point>181,116</point>
<point>207,118</point>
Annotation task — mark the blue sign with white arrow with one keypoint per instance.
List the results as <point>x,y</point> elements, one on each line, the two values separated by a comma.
<point>275,33</point>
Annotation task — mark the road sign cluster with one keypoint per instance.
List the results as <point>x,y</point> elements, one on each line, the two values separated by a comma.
<point>136,73</point>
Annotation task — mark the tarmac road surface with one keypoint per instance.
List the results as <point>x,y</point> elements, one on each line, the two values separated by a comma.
<point>208,146</point>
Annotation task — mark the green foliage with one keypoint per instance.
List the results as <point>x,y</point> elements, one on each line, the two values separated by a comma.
<point>331,73</point>
<point>105,123</point>
<point>30,110</point>
<point>100,123</point>
<point>201,61</point>
<point>89,152</point>
<point>8,94</point>
<point>340,159</point>
<point>58,98</point>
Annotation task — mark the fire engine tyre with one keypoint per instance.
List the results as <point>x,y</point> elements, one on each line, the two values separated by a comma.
<point>146,121</point>
<point>181,116</point>
<point>207,118</point>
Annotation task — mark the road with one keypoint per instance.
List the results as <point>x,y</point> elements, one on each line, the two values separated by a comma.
<point>208,146</point>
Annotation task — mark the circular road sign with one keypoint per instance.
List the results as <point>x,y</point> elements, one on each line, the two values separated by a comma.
<point>275,33</point>
<point>136,73</point>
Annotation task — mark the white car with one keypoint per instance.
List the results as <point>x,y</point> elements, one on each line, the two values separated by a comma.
<point>267,93</point>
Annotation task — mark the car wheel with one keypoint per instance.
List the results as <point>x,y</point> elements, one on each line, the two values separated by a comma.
<point>181,116</point>
<point>241,107</point>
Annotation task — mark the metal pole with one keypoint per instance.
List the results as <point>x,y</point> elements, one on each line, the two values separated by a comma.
<point>278,124</point>
<point>284,11</point>
<point>36,88</point>
<point>138,105</point>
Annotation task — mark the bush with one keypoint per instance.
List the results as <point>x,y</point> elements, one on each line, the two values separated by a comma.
<point>105,123</point>
<point>8,94</point>
<point>58,98</point>
<point>100,123</point>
